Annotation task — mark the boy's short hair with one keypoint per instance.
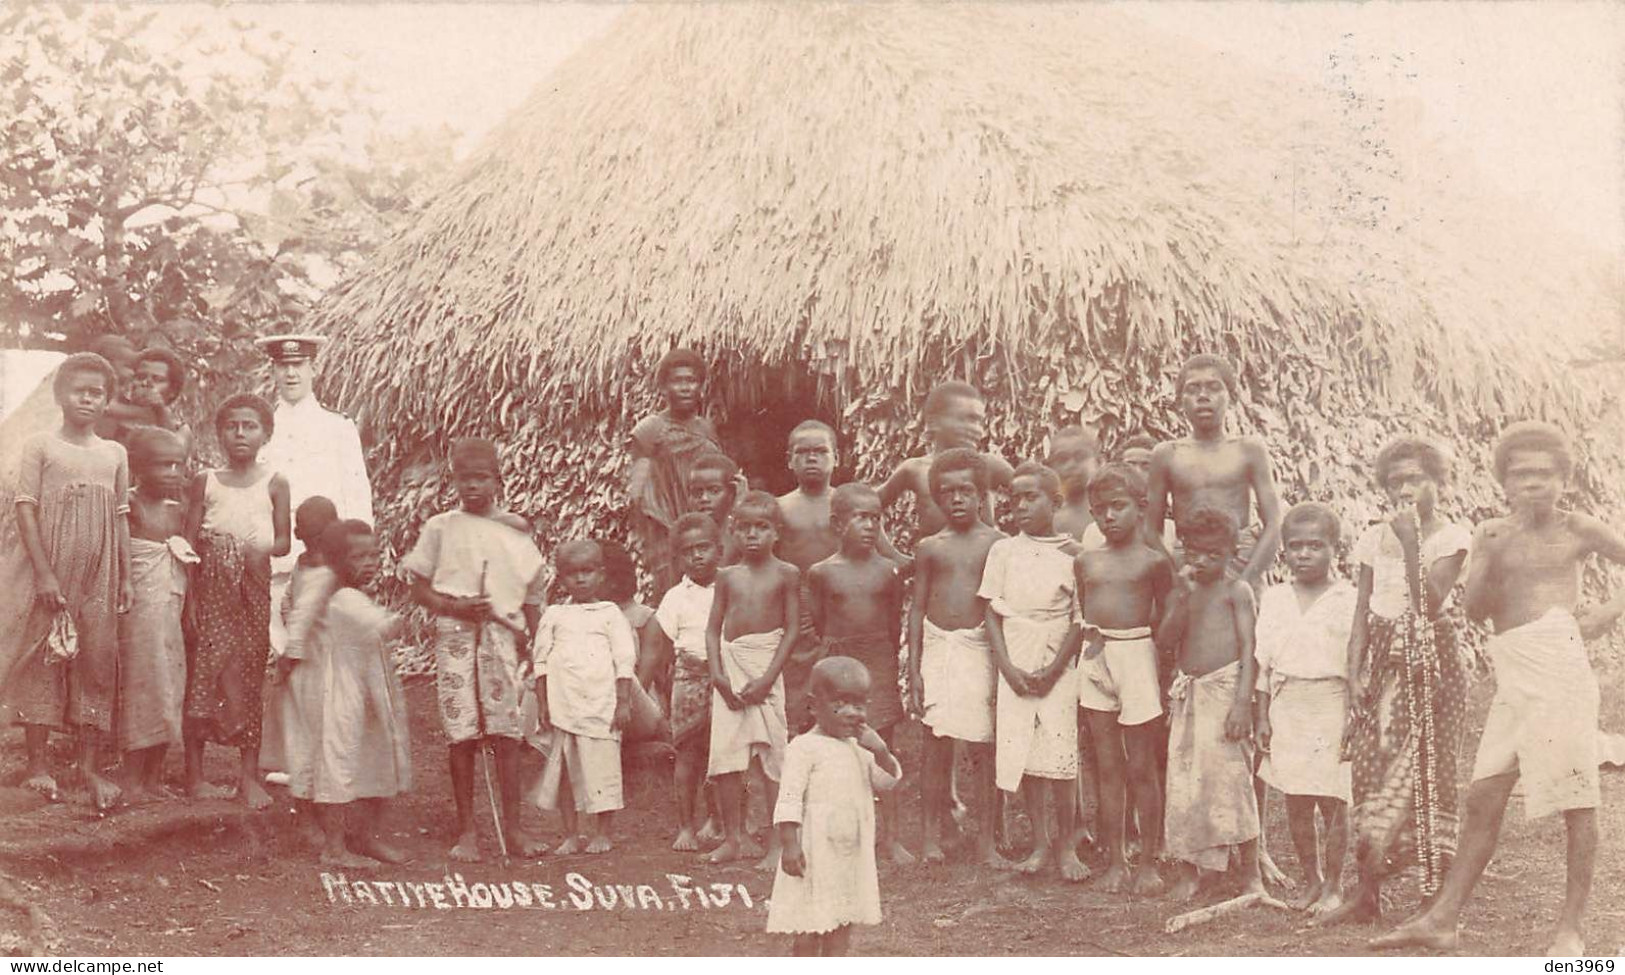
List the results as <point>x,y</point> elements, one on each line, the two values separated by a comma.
<point>763,504</point>
<point>1140,441</point>
<point>1425,452</point>
<point>833,668</point>
<point>1314,512</point>
<point>334,543</point>
<point>958,459</point>
<point>580,548</point>
<point>944,393</point>
<point>1075,432</point>
<point>813,426</point>
<point>143,443</point>
<point>1209,529</point>
<point>475,453</point>
<point>841,500</point>
<point>679,358</point>
<point>1117,477</point>
<point>1534,435</point>
<point>713,460</point>
<point>311,519</point>
<point>1207,360</point>
<point>248,401</point>
<point>696,521</point>
<point>620,571</point>
<point>84,362</point>
<point>1048,480</point>
<point>173,366</point>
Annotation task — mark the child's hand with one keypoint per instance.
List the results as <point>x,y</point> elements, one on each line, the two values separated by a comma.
<point>474,609</point>
<point>869,740</point>
<point>1094,643</point>
<point>543,719</point>
<point>623,715</point>
<point>1018,682</point>
<point>1406,524</point>
<point>792,859</point>
<point>1238,724</point>
<point>1263,732</point>
<point>49,592</point>
<point>755,692</point>
<point>729,698</point>
<point>916,693</point>
<point>126,596</point>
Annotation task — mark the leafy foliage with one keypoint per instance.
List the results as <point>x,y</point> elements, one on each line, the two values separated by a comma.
<point>193,184</point>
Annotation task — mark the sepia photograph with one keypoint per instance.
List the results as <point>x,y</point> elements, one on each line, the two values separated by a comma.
<point>1136,479</point>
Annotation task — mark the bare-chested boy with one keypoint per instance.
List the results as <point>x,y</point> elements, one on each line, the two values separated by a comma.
<point>952,673</point>
<point>1123,586</point>
<point>954,416</point>
<point>754,617</point>
<point>1074,456</point>
<point>856,600</point>
<point>1208,624</point>
<point>1232,474</point>
<point>1524,577</point>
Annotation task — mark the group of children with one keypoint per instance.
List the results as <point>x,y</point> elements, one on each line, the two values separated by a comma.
<point>793,632</point>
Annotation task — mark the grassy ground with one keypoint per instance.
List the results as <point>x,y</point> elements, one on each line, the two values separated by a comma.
<point>207,879</point>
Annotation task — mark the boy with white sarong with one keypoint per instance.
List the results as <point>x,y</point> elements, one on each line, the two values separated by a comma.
<point>1303,697</point>
<point>1524,576</point>
<point>585,657</point>
<point>1032,619</point>
<point>1208,622</point>
<point>755,615</point>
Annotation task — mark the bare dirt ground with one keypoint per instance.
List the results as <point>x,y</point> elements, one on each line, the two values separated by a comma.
<point>175,878</point>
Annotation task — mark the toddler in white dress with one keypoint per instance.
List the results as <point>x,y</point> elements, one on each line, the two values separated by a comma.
<point>825,816</point>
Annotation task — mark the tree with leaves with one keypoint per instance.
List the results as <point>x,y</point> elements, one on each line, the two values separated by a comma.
<point>183,178</point>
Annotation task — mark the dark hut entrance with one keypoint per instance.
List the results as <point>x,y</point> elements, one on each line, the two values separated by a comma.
<point>755,429</point>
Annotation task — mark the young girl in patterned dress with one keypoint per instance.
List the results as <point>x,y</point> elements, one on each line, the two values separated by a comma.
<point>238,520</point>
<point>74,561</point>
<point>1408,680</point>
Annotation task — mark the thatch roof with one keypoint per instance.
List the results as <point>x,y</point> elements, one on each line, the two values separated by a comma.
<point>852,201</point>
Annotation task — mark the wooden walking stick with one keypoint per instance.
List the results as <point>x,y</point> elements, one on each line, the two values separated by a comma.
<point>485,741</point>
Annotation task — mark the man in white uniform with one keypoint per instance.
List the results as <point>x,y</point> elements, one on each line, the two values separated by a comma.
<point>317,450</point>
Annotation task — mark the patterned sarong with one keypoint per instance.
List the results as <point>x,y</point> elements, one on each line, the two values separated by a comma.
<point>690,698</point>
<point>467,712</point>
<point>225,680</point>
<point>1407,715</point>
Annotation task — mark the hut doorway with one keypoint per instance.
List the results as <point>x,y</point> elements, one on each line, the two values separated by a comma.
<point>756,435</point>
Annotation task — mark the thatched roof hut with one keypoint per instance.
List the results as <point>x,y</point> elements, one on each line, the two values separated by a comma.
<point>841,205</point>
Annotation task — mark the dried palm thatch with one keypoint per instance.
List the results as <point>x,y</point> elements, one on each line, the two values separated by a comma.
<point>842,205</point>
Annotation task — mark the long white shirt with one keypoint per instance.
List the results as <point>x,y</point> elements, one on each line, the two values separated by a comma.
<point>319,452</point>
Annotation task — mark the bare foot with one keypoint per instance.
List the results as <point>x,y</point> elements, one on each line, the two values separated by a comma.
<point>726,853</point>
<point>1115,879</point>
<point>1567,943</point>
<point>685,841</point>
<point>347,860</point>
<point>931,852</point>
<point>570,846</point>
<point>1418,934</point>
<point>710,832</point>
<point>1081,837</point>
<point>1330,899</point>
<point>600,844</point>
<point>525,846</point>
<point>1148,881</point>
<point>895,852</point>
<point>104,795</point>
<point>989,857</point>
<point>769,861</point>
<point>1308,894</point>
<point>1271,873</point>
<point>381,851</point>
<point>1361,908</point>
<point>1038,860</point>
<point>44,784</point>
<point>466,849</point>
<point>1073,870</point>
<point>206,790</point>
<point>1186,888</point>
<point>748,848</point>
<point>254,794</point>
